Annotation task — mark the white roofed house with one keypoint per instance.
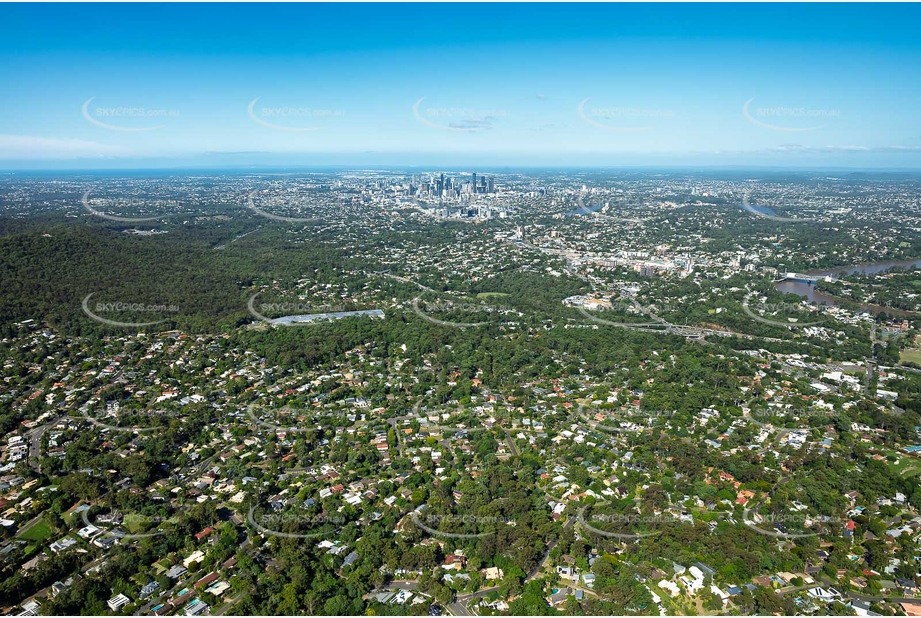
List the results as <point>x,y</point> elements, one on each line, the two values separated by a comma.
<point>672,587</point>
<point>30,608</point>
<point>117,602</point>
<point>694,581</point>
<point>717,592</point>
<point>62,544</point>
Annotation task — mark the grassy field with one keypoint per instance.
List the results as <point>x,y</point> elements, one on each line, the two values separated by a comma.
<point>38,533</point>
<point>906,466</point>
<point>910,356</point>
<point>491,295</point>
<point>136,525</point>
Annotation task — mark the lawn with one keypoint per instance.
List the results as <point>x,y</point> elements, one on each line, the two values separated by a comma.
<point>136,524</point>
<point>491,294</point>
<point>906,466</point>
<point>910,356</point>
<point>38,533</point>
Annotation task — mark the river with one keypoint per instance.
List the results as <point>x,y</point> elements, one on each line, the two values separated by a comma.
<point>810,293</point>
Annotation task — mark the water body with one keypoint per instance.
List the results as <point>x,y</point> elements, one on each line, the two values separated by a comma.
<point>811,294</point>
<point>764,210</point>
<point>582,211</point>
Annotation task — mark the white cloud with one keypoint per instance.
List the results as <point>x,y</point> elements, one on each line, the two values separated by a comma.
<point>797,148</point>
<point>33,147</point>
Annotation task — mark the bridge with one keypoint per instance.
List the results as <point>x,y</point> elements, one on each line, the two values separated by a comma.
<point>810,279</point>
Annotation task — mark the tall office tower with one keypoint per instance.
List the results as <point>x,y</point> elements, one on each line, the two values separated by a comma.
<point>474,182</point>
<point>492,185</point>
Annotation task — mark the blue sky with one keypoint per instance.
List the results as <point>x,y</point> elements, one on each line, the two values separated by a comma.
<point>792,85</point>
